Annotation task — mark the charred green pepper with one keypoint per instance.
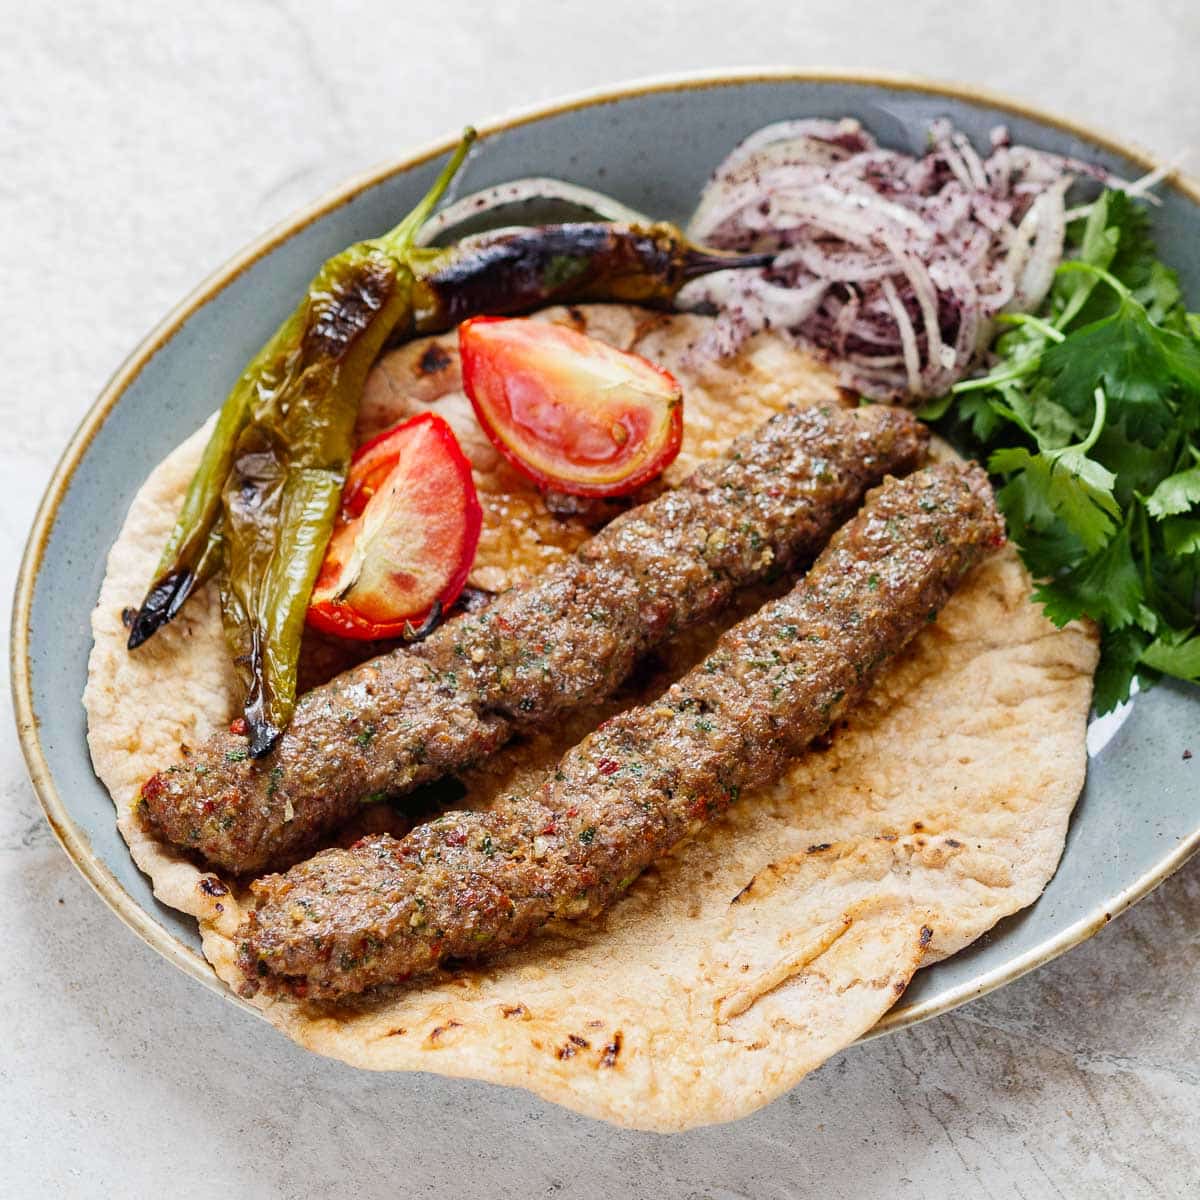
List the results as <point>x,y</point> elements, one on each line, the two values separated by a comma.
<point>285,483</point>
<point>516,270</point>
<point>263,500</point>
<point>194,548</point>
<point>273,470</point>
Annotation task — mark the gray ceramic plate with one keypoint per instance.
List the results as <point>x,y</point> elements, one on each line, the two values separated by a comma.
<point>652,146</point>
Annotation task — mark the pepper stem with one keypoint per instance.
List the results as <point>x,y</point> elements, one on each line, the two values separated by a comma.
<point>400,239</point>
<point>699,261</point>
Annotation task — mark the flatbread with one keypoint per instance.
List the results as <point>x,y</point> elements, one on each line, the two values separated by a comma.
<point>769,942</point>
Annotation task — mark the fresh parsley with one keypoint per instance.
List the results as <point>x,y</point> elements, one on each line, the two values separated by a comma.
<point>1089,421</point>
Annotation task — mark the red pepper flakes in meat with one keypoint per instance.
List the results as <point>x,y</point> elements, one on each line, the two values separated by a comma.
<point>465,690</point>
<point>916,537</point>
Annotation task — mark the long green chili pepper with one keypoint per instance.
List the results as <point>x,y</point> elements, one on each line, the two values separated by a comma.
<point>263,500</point>
<point>191,552</point>
<point>290,461</point>
<point>271,476</point>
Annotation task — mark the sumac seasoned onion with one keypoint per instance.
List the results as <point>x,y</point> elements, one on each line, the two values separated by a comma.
<point>889,264</point>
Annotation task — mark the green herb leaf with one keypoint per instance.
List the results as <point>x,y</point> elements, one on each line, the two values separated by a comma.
<point>1181,536</point>
<point>1123,355</point>
<point>1181,659</point>
<point>936,409</point>
<point>1105,586</point>
<point>1046,550</point>
<point>1176,494</point>
<point>1120,651</point>
<point>1116,238</point>
<point>1090,415</point>
<point>1063,483</point>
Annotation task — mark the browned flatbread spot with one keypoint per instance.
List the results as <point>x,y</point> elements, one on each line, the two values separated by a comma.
<point>776,937</point>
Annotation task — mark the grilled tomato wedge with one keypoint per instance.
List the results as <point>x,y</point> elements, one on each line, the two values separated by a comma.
<point>405,538</point>
<point>571,413</point>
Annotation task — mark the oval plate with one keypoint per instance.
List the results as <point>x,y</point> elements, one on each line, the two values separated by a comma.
<point>1136,821</point>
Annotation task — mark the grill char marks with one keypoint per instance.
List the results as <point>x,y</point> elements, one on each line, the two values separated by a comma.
<point>566,639</point>
<point>468,882</point>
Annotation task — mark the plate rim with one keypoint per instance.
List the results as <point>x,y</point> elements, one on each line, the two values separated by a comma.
<point>68,833</point>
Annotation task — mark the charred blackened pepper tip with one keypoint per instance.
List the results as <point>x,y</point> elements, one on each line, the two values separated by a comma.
<point>292,412</point>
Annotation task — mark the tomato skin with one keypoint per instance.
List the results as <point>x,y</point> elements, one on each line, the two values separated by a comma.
<point>372,469</point>
<point>569,412</point>
<point>342,621</point>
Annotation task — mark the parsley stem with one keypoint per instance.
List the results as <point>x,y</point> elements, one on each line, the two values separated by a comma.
<point>990,381</point>
<point>1010,414</point>
<point>1144,538</point>
<point>1043,327</point>
<point>1097,422</point>
<point>1079,297</point>
<point>1075,265</point>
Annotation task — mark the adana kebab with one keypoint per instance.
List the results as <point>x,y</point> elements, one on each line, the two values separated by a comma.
<point>567,638</point>
<point>263,501</point>
<point>388,909</point>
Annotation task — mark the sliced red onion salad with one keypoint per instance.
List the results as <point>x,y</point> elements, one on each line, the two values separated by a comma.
<point>892,266</point>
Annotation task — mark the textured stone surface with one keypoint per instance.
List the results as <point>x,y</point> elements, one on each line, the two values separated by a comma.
<point>139,146</point>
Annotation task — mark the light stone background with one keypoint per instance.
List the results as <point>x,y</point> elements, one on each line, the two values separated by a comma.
<point>140,145</point>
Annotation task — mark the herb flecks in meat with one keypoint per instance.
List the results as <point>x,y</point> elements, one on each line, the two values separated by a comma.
<point>388,908</point>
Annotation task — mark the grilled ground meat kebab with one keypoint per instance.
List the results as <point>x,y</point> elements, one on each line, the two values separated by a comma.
<point>567,638</point>
<point>387,909</point>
